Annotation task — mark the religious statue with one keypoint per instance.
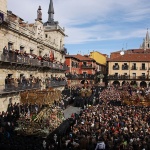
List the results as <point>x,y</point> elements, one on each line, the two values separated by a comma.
<point>39,13</point>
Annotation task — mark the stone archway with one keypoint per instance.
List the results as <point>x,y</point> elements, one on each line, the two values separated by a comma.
<point>123,83</point>
<point>133,83</point>
<point>143,84</point>
<point>116,83</point>
<point>84,82</point>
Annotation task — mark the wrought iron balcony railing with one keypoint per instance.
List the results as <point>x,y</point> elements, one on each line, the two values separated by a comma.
<point>87,66</point>
<point>125,67</point>
<point>80,76</point>
<point>20,87</point>
<point>127,77</point>
<point>57,83</point>
<point>134,68</point>
<point>116,67</point>
<point>143,68</point>
<point>32,62</point>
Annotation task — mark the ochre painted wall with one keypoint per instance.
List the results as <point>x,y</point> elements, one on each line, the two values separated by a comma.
<point>98,57</point>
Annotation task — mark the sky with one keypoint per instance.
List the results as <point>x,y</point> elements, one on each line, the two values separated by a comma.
<point>93,25</point>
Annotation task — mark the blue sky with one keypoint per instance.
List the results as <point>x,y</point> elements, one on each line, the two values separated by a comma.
<point>99,25</point>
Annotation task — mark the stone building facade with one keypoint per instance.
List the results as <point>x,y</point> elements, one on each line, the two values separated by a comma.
<point>33,50</point>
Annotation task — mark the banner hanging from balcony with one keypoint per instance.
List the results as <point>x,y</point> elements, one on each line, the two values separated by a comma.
<point>51,56</point>
<point>1,17</point>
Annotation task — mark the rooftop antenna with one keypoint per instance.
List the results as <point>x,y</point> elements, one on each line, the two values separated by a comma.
<point>126,45</point>
<point>122,52</point>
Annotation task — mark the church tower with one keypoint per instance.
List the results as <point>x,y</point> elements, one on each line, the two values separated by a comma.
<point>51,15</point>
<point>54,33</point>
<point>3,6</point>
<point>146,42</point>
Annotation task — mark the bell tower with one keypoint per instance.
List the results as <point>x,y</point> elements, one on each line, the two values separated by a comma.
<point>3,6</point>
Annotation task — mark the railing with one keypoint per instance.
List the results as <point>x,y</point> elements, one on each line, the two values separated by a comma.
<point>87,66</point>
<point>126,77</point>
<point>12,57</point>
<point>55,83</point>
<point>20,87</point>
<point>134,68</point>
<point>115,67</point>
<point>80,76</point>
<point>125,67</point>
<point>143,68</point>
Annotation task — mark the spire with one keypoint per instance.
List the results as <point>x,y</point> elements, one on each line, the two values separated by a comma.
<point>147,36</point>
<point>51,12</point>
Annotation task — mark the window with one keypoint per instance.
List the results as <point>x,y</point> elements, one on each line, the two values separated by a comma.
<point>10,46</point>
<point>134,66</point>
<point>125,66</point>
<point>21,48</point>
<point>45,35</point>
<point>84,63</point>
<point>116,65</point>
<point>40,53</point>
<point>143,66</point>
<point>125,74</point>
<point>134,75</point>
<point>31,51</point>
<point>143,74</point>
<point>116,74</point>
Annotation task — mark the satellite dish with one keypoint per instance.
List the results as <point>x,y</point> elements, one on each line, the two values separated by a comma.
<point>122,53</point>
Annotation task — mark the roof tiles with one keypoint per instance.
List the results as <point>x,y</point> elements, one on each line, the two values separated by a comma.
<point>134,57</point>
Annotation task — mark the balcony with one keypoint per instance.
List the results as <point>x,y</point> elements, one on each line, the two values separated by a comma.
<point>134,68</point>
<point>63,50</point>
<point>127,77</point>
<point>80,76</point>
<point>11,88</point>
<point>143,68</point>
<point>87,66</point>
<point>57,83</point>
<point>125,67</point>
<point>116,67</point>
<point>27,61</point>
<point>4,19</point>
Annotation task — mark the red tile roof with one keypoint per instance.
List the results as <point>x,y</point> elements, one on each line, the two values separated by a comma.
<point>134,51</point>
<point>80,57</point>
<point>83,58</point>
<point>134,57</point>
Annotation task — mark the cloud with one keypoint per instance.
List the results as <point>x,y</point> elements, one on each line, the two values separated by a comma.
<point>91,20</point>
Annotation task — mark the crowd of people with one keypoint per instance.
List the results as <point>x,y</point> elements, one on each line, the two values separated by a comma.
<point>10,138</point>
<point>24,83</point>
<point>21,56</point>
<point>104,123</point>
<point>110,127</point>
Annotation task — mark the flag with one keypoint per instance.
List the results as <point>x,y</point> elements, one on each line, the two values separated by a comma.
<point>51,56</point>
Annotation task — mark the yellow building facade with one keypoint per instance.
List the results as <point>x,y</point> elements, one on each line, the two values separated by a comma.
<point>130,67</point>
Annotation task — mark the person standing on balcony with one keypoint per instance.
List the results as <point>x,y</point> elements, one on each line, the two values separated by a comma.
<point>6,83</point>
<point>5,53</point>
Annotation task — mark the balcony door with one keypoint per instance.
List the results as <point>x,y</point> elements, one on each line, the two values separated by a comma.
<point>134,75</point>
